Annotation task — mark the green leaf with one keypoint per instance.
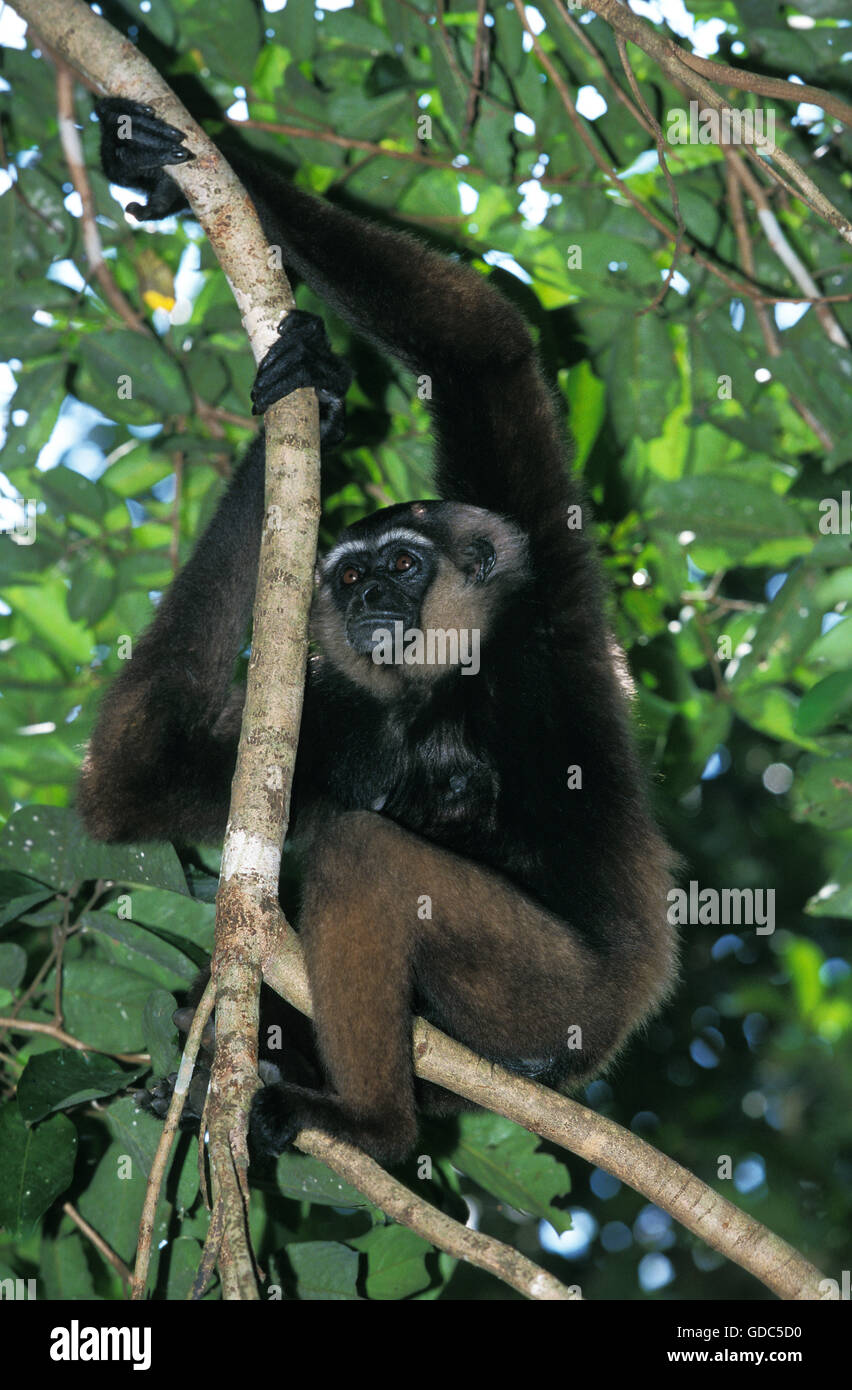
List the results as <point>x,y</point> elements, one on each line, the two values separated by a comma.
<point>40,392</point>
<point>824,703</point>
<point>64,1272</point>
<point>503,1159</point>
<point>804,960</point>
<point>37,1166</point>
<point>44,609</point>
<point>141,950</point>
<point>161,1034</point>
<point>57,1080</point>
<point>772,710</point>
<point>51,843</point>
<point>834,899</point>
<point>821,794</point>
<point>833,648</point>
<point>586,398</point>
<point>784,632</point>
<point>104,1004</point>
<point>13,964</point>
<point>174,916</point>
<point>724,514</point>
<point>131,367</point>
<point>69,492</point>
<point>93,588</point>
<point>184,1260</point>
<point>136,472</point>
<point>137,1135</point>
<point>325,1271</point>
<point>308,1180</point>
<point>112,1200</point>
<point>643,387</point>
<point>396,1262</point>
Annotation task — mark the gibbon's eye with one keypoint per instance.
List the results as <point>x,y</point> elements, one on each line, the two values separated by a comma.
<point>404,562</point>
<point>350,575</point>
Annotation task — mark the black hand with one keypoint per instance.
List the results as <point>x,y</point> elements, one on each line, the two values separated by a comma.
<point>135,147</point>
<point>303,357</point>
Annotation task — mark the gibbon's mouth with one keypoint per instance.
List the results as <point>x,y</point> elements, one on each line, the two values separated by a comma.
<point>362,634</point>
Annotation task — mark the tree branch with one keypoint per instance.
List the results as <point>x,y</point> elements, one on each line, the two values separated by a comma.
<point>600,1141</point>
<point>261,791</point>
<point>399,1202</point>
<point>670,59</point>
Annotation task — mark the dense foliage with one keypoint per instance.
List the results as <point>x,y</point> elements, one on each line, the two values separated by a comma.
<point>707,455</point>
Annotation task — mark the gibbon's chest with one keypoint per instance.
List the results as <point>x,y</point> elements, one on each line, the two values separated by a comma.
<point>419,768</point>
<point>441,785</point>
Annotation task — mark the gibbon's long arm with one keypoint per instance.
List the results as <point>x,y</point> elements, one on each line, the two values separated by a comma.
<point>499,440</point>
<point>162,755</point>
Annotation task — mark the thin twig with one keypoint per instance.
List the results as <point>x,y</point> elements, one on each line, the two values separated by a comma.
<point>659,141</point>
<point>50,1030</point>
<point>783,250</point>
<point>670,59</point>
<point>73,151</point>
<point>60,933</point>
<point>161,1157</point>
<point>99,1243</point>
<point>404,1206</point>
<point>736,168</point>
<point>174,542</point>
<point>582,39</point>
<point>605,167</point>
<point>480,69</point>
<point>349,142</point>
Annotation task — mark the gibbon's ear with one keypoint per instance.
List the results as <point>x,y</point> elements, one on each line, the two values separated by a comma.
<point>478,559</point>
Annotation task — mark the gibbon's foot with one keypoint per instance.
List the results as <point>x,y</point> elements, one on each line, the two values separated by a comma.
<point>279,1112</point>
<point>286,1054</point>
<point>303,357</point>
<point>157,1099</point>
<point>135,145</point>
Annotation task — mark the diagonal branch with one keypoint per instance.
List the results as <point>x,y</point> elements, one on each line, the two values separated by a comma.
<point>599,1140</point>
<point>745,81</point>
<point>404,1206</point>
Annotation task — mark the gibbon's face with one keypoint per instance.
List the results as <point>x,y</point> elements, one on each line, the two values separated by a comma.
<point>377,584</point>
<point>439,568</point>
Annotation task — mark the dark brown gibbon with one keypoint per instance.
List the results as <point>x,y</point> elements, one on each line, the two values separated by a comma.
<point>477,836</point>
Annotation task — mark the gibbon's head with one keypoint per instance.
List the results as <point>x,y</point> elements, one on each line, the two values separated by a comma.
<point>411,592</point>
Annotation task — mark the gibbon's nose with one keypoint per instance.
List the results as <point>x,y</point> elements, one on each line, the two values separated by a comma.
<point>373,596</point>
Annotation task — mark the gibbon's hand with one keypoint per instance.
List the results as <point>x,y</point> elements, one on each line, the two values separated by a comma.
<point>303,357</point>
<point>135,145</point>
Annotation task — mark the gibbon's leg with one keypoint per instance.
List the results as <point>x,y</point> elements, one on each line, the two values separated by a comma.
<point>357,932</point>
<point>492,967</point>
